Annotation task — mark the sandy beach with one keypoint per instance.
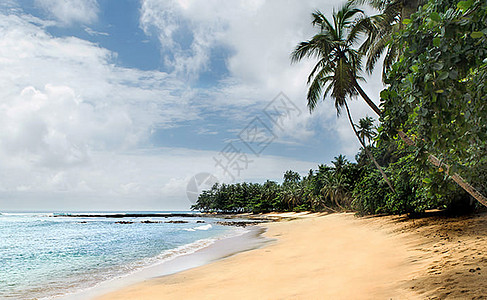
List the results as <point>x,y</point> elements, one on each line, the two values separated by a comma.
<point>340,256</point>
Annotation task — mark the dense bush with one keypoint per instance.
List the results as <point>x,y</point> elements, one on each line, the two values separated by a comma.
<point>437,90</point>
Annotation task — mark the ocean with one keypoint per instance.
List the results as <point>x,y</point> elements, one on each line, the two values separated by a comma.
<point>43,256</point>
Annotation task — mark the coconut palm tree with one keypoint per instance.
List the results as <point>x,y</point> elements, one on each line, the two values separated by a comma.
<point>380,29</point>
<point>366,149</point>
<point>337,189</point>
<point>366,129</point>
<point>339,163</point>
<point>339,65</point>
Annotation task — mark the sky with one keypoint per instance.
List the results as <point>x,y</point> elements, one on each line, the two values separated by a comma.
<point>118,105</point>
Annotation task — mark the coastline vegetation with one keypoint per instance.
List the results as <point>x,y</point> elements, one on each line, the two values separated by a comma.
<point>429,149</point>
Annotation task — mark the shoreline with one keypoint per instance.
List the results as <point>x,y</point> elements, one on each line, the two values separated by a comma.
<point>291,267</point>
<point>340,256</point>
<point>221,247</point>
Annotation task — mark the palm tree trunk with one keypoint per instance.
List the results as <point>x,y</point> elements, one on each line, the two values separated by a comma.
<point>408,8</point>
<point>371,157</point>
<point>456,177</point>
<point>338,202</point>
<point>431,158</point>
<point>372,105</point>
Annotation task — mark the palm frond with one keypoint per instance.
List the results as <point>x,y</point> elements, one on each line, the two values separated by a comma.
<point>375,52</point>
<point>314,93</point>
<point>326,68</point>
<point>377,4</point>
<point>391,57</point>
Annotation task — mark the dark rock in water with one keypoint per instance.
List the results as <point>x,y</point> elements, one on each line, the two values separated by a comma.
<point>200,221</point>
<point>124,222</point>
<point>133,215</point>
<point>177,222</point>
<point>238,223</point>
<point>150,222</point>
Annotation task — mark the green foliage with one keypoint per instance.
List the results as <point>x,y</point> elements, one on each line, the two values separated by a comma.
<point>291,177</point>
<point>370,194</point>
<point>324,189</point>
<point>437,91</point>
<point>345,186</point>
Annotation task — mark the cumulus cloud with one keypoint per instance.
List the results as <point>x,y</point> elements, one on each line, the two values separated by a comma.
<point>30,57</point>
<point>69,12</point>
<point>55,128</point>
<point>66,108</point>
<point>76,127</point>
<point>259,36</point>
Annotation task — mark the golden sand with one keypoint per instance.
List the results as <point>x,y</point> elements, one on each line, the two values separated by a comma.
<point>340,256</point>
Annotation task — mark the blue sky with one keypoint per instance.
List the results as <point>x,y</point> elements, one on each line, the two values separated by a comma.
<point>117,104</point>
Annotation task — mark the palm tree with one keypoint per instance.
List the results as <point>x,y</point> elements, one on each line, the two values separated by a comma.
<point>366,129</point>
<point>366,149</point>
<point>337,189</point>
<point>380,29</point>
<point>291,177</point>
<point>338,65</point>
<point>339,163</point>
<point>292,195</point>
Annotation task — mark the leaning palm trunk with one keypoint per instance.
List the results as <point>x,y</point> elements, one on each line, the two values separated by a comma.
<point>431,158</point>
<point>455,176</point>
<point>371,157</point>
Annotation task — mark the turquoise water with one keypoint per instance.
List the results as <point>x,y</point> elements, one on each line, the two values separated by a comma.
<point>42,256</point>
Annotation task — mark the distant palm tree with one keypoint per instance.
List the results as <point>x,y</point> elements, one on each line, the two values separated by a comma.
<point>292,195</point>
<point>337,189</point>
<point>366,129</point>
<point>366,149</point>
<point>339,163</point>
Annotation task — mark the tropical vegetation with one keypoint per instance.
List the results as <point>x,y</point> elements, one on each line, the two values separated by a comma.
<point>430,147</point>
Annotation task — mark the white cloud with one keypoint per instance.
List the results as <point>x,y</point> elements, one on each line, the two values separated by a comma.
<point>69,12</point>
<point>31,57</point>
<point>75,125</point>
<point>67,112</point>
<point>55,128</point>
<point>94,32</point>
<point>260,36</point>
<point>74,128</point>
